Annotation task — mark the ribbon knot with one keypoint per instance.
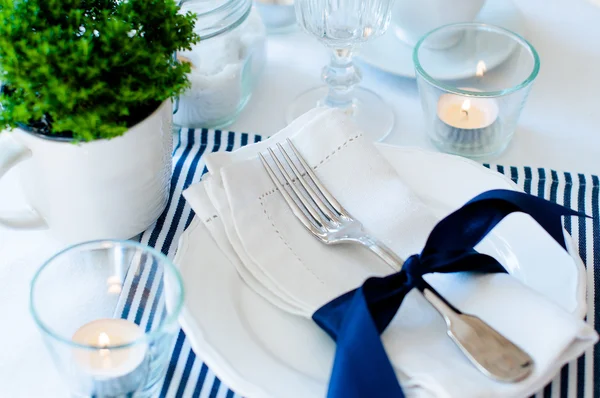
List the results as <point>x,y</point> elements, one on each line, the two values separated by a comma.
<point>414,270</point>
<point>356,319</point>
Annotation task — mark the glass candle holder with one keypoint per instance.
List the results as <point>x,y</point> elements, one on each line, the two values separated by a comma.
<point>105,319</point>
<point>473,81</point>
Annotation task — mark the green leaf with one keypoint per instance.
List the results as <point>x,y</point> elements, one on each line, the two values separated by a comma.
<point>77,62</point>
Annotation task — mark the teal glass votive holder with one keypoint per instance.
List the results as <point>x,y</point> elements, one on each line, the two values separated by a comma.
<point>104,315</point>
<point>473,80</point>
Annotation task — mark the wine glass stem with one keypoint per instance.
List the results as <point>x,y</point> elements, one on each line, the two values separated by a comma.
<point>341,76</point>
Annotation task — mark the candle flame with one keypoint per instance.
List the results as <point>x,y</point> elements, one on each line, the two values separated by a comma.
<point>103,340</point>
<point>480,69</point>
<point>465,108</point>
<point>466,105</point>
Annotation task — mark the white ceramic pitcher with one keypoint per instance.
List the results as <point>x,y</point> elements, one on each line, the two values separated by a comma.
<point>92,190</point>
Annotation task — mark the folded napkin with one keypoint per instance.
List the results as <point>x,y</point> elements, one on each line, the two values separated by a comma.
<point>274,247</point>
<point>283,263</point>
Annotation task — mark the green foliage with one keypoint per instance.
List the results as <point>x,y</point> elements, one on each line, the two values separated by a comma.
<point>90,68</point>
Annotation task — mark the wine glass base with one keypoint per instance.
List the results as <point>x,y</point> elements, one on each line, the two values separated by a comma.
<point>373,116</point>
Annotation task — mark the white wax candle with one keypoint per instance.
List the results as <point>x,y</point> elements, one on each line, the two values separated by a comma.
<point>467,113</point>
<point>104,362</point>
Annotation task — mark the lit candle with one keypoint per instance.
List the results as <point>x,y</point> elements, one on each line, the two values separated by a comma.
<point>467,113</point>
<point>112,371</point>
<point>466,122</point>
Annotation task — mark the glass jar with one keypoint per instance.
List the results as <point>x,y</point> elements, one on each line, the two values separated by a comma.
<point>226,63</point>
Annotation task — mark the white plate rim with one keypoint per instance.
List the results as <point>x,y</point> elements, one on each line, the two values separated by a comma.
<point>220,367</point>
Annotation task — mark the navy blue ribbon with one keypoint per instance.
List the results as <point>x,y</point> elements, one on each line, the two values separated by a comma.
<point>356,319</point>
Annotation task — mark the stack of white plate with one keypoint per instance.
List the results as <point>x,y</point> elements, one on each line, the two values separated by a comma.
<point>260,351</point>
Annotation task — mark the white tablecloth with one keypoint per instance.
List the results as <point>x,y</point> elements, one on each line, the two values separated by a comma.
<point>559,128</point>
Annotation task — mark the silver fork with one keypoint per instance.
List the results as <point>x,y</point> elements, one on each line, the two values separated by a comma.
<point>492,353</point>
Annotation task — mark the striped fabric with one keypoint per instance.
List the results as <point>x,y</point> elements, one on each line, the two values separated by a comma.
<point>579,378</point>
<point>187,376</point>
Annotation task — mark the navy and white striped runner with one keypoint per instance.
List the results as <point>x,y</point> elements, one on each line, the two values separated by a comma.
<point>580,378</point>
<point>187,376</point>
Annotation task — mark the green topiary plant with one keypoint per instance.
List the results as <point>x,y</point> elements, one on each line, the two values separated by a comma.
<point>89,69</point>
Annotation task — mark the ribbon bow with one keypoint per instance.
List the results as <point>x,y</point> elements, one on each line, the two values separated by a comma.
<point>356,319</point>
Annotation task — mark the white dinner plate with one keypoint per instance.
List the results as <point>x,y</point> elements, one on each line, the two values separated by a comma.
<point>260,351</point>
<point>394,56</point>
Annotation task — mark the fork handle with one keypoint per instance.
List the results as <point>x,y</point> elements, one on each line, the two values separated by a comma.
<point>492,353</point>
<point>384,252</point>
<point>447,310</point>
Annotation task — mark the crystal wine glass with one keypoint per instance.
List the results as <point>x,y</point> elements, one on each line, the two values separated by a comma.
<point>343,25</point>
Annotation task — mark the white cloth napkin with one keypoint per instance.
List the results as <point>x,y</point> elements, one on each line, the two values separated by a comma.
<point>279,259</point>
<point>274,247</point>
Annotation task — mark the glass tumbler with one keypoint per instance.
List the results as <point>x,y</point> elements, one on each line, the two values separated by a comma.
<point>473,80</point>
<point>343,25</point>
<point>105,318</point>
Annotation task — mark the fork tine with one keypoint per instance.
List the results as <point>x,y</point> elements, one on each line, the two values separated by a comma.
<point>311,223</point>
<point>315,180</point>
<point>300,196</point>
<point>311,192</point>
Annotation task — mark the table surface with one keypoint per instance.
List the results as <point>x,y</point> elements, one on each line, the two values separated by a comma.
<point>559,128</point>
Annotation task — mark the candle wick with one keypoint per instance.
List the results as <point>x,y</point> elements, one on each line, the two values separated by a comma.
<point>465,108</point>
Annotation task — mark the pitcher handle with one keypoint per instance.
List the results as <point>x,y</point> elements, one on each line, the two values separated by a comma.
<point>11,154</point>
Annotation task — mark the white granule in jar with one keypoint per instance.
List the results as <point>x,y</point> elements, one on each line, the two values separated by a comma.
<point>223,72</point>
